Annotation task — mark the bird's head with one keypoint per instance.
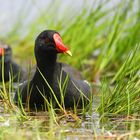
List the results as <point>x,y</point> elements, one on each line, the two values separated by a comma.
<point>50,40</point>
<point>5,51</point>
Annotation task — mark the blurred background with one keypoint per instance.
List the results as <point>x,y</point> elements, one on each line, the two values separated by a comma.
<point>25,12</point>
<point>30,10</point>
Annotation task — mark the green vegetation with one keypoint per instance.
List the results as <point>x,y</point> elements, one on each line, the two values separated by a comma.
<point>114,34</point>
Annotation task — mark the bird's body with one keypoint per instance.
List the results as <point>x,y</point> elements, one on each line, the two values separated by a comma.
<point>52,81</point>
<point>10,71</point>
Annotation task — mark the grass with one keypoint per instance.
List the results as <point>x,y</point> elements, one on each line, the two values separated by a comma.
<point>114,33</point>
<point>123,96</point>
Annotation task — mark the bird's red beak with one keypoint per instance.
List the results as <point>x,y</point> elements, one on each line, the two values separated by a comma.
<point>1,51</point>
<point>60,46</point>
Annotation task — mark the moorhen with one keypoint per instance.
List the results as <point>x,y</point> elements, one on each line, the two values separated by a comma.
<point>52,82</point>
<point>10,69</point>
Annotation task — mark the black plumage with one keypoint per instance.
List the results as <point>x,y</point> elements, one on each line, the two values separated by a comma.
<point>50,73</point>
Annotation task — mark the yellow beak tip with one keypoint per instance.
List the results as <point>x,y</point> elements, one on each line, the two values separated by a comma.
<point>69,53</point>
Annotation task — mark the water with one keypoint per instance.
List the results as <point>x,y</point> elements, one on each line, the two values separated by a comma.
<point>70,126</point>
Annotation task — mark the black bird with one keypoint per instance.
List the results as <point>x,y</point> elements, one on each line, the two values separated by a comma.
<point>52,75</point>
<point>8,68</point>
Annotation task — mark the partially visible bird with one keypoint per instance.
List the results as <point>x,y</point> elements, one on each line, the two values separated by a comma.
<point>8,68</point>
<point>53,82</point>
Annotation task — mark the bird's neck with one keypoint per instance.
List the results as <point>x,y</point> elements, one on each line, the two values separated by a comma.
<point>5,69</point>
<point>47,61</point>
<point>6,64</point>
<point>46,65</point>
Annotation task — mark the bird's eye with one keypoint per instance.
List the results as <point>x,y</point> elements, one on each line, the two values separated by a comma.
<point>47,40</point>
